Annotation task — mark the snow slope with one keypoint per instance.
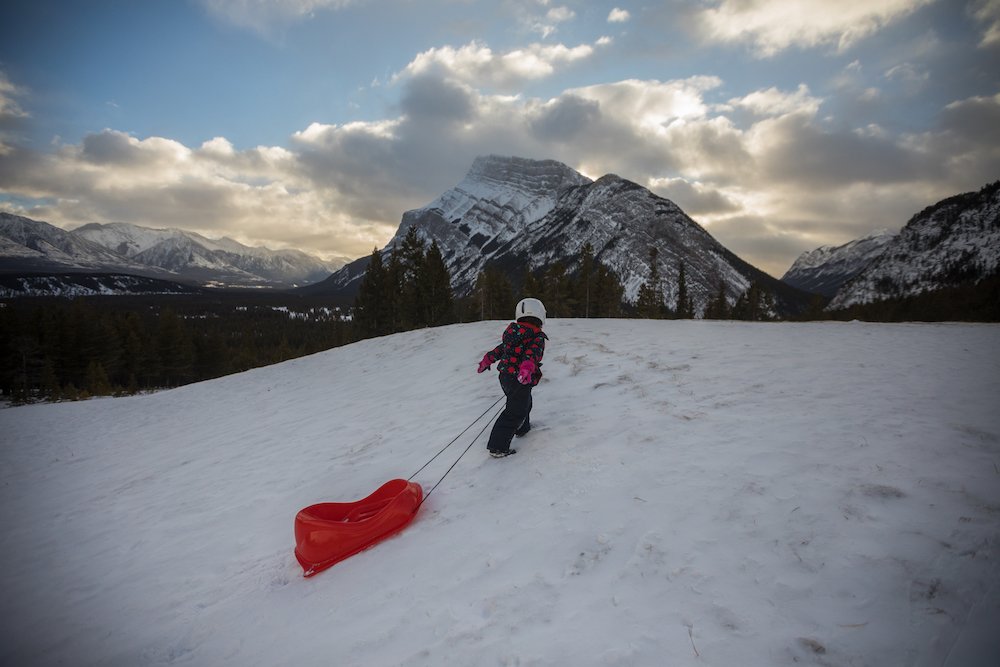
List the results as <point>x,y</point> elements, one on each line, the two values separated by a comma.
<point>693,493</point>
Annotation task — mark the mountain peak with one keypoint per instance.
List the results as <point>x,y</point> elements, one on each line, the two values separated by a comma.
<point>525,173</point>
<point>524,214</point>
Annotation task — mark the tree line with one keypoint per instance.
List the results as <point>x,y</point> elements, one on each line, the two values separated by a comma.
<point>591,290</point>
<point>54,349</point>
<point>411,289</point>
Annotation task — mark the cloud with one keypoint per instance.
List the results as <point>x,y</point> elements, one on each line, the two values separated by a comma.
<point>544,24</point>
<point>477,64</point>
<point>560,14</point>
<point>694,197</point>
<point>618,15</point>
<point>652,105</point>
<point>966,140</point>
<point>265,16</point>
<point>565,118</point>
<point>764,172</point>
<point>434,100</point>
<point>118,148</point>
<point>795,150</point>
<point>912,77</point>
<point>987,12</point>
<point>773,102</point>
<point>12,116</point>
<point>772,26</point>
<point>264,195</point>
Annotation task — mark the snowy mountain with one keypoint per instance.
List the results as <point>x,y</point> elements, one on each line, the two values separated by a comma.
<point>829,499</point>
<point>953,242</point>
<point>30,245</point>
<point>824,270</point>
<point>517,213</point>
<point>205,260</point>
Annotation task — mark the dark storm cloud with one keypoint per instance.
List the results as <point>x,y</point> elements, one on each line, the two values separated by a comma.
<point>432,99</point>
<point>694,199</point>
<point>975,121</point>
<point>565,118</point>
<point>107,148</point>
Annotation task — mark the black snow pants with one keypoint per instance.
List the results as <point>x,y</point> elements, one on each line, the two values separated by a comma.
<point>514,415</point>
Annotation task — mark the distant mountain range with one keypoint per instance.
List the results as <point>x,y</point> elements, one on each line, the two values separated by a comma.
<point>35,247</point>
<point>517,214</point>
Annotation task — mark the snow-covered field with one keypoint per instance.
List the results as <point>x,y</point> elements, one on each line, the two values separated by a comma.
<point>693,493</point>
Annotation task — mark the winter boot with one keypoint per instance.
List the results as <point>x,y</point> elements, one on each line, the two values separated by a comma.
<point>502,453</point>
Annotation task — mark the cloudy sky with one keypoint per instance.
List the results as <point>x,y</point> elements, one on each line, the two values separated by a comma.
<point>779,125</point>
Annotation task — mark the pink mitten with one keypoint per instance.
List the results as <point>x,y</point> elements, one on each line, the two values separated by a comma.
<point>485,363</point>
<point>525,371</point>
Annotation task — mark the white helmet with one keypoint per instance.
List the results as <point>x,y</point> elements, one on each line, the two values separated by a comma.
<point>530,308</point>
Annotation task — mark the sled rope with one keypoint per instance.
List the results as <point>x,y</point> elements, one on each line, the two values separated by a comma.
<point>481,431</point>
<point>454,439</point>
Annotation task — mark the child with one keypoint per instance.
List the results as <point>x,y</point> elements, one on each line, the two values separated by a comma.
<point>519,357</point>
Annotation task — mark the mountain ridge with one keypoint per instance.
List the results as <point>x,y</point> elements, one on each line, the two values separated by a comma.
<point>33,246</point>
<point>952,243</point>
<point>824,270</point>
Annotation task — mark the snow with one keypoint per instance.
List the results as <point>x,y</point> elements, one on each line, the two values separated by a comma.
<point>693,493</point>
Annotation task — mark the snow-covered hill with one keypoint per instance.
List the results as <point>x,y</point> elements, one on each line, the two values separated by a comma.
<point>825,269</point>
<point>517,214</point>
<point>693,493</point>
<point>953,242</point>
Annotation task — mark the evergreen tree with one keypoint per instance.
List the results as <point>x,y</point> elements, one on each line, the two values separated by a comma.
<point>683,306</point>
<point>176,350</point>
<point>393,296</point>
<point>755,304</point>
<point>410,280</point>
<point>650,301</point>
<point>372,307</point>
<point>97,380</point>
<point>532,285</point>
<point>556,291</point>
<point>494,294</point>
<point>585,282</point>
<point>436,295</point>
<point>608,293</point>
<point>718,308</point>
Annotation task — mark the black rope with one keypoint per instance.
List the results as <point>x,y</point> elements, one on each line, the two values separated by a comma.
<point>490,421</point>
<point>456,438</point>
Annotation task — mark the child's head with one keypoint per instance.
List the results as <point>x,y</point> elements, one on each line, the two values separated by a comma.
<point>530,310</point>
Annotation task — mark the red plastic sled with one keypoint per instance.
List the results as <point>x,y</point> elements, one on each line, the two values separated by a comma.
<point>327,533</point>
